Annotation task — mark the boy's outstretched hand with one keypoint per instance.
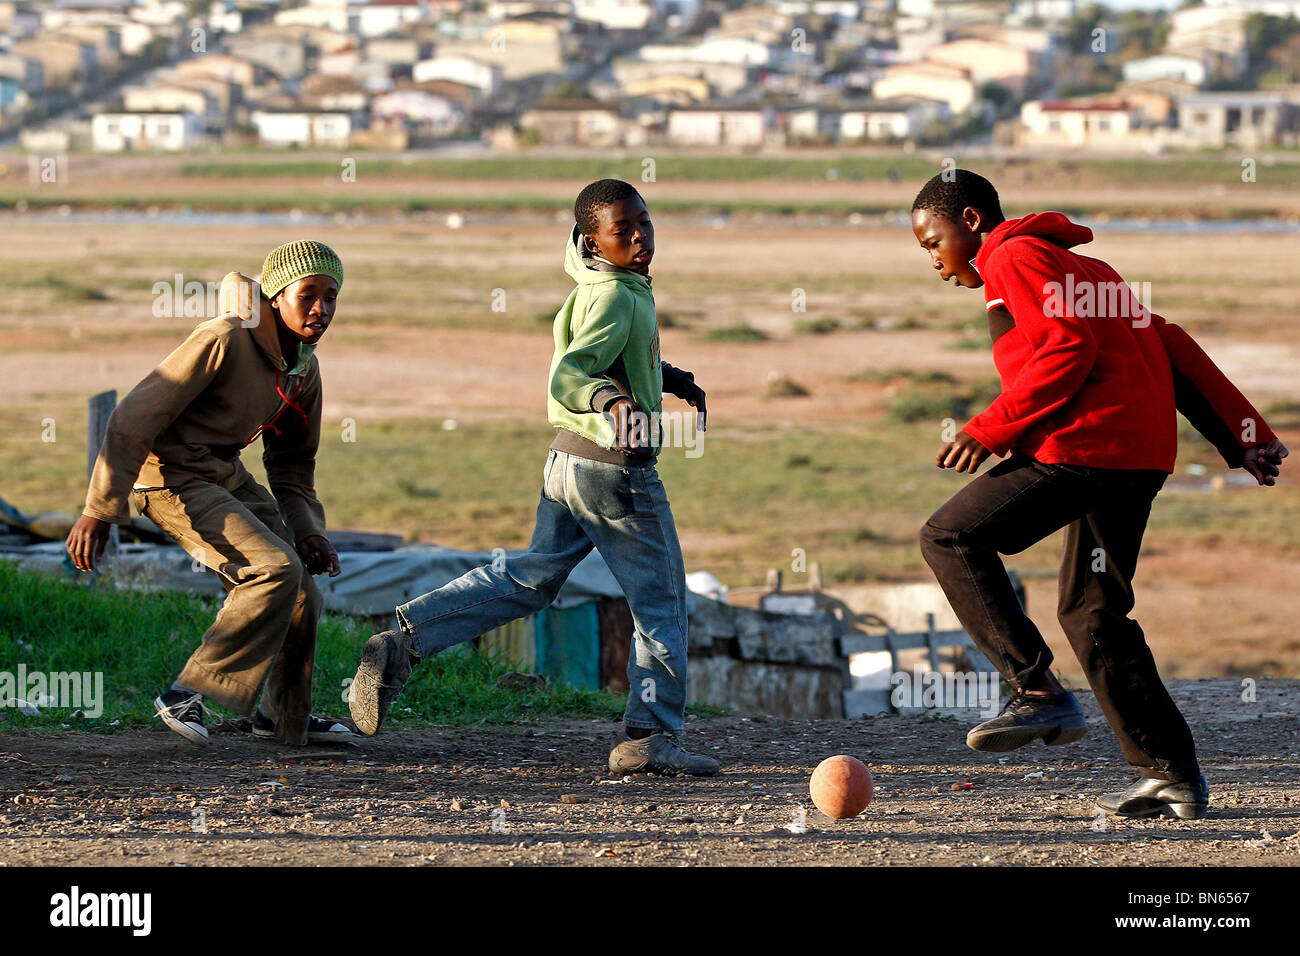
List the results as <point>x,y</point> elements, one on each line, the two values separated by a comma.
<point>87,541</point>
<point>1265,461</point>
<point>318,555</point>
<point>965,453</point>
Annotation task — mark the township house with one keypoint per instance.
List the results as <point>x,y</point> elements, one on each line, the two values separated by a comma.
<point>1092,124</point>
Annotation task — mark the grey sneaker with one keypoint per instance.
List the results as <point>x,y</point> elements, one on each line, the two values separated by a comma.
<point>1150,797</point>
<point>659,754</point>
<point>385,667</point>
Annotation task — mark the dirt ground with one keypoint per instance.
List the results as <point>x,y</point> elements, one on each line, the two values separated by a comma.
<point>541,795</point>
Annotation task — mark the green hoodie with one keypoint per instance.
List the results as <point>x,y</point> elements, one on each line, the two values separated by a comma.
<point>606,345</point>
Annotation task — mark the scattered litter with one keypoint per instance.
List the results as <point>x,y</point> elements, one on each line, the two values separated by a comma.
<point>1036,775</point>
<point>23,706</point>
<point>963,785</point>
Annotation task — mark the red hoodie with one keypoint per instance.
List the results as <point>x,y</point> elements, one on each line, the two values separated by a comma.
<point>1088,373</point>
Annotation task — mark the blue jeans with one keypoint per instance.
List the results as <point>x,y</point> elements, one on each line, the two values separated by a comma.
<point>621,511</point>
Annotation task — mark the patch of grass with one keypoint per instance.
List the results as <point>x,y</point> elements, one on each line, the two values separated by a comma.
<point>889,323</point>
<point>971,343</point>
<point>669,319</point>
<point>822,325</point>
<point>69,290</point>
<point>938,400</point>
<point>140,640</point>
<point>740,332</point>
<point>1282,411</point>
<point>916,376</point>
<point>782,387</point>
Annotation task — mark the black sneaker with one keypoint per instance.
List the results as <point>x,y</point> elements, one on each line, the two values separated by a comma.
<point>182,712</point>
<point>1055,719</point>
<point>320,730</point>
<point>384,669</point>
<point>1152,797</point>
<point>659,754</point>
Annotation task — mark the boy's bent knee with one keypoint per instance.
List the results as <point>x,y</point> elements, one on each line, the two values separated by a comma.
<point>935,539</point>
<point>285,572</point>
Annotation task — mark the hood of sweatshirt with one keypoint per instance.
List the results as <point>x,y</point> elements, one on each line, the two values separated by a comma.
<point>585,268</point>
<point>236,298</point>
<point>1055,227</point>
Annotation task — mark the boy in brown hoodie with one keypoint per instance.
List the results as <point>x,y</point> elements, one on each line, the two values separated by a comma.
<point>173,447</point>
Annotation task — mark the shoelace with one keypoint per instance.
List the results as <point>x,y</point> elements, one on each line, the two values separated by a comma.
<point>179,709</point>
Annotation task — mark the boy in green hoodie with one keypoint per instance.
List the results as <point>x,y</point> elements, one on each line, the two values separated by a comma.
<point>600,490</point>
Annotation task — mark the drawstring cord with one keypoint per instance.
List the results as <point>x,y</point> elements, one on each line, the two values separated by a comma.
<point>287,402</point>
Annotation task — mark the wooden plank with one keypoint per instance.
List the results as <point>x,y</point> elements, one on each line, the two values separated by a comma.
<point>930,642</point>
<point>100,407</point>
<point>864,643</point>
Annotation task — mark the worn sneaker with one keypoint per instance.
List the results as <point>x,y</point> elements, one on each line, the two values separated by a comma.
<point>385,667</point>
<point>659,754</point>
<point>1151,797</point>
<point>183,713</point>
<point>320,730</point>
<point>1056,719</point>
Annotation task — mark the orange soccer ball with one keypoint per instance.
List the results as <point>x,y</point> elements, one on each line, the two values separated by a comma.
<point>840,787</point>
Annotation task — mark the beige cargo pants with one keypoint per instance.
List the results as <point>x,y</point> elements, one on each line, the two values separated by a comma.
<point>263,641</point>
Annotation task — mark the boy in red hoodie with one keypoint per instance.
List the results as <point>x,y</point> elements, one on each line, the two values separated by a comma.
<point>1091,381</point>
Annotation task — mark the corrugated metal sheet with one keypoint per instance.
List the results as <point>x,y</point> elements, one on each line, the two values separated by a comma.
<point>568,645</point>
<point>514,644</point>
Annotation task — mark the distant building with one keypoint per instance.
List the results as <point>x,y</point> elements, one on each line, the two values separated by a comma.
<point>1082,125</point>
<point>614,14</point>
<point>1166,67</point>
<point>888,119</point>
<point>986,61</point>
<point>1044,9</point>
<point>1244,120</point>
<point>161,131</point>
<point>486,77</point>
<point>167,98</point>
<point>634,74</point>
<point>720,126</point>
<point>63,61</point>
<point>931,81</point>
<point>281,128</point>
<point>1214,35</point>
<point>222,66</point>
<point>588,123</point>
<point>26,72</point>
<point>718,50</point>
<point>380,17</point>
<point>426,112</point>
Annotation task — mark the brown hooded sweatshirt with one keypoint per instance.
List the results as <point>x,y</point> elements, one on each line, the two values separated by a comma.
<point>189,418</point>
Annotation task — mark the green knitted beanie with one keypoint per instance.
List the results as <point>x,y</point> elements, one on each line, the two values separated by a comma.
<point>292,261</point>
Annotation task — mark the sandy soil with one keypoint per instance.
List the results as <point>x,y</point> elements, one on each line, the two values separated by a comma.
<point>435,796</point>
